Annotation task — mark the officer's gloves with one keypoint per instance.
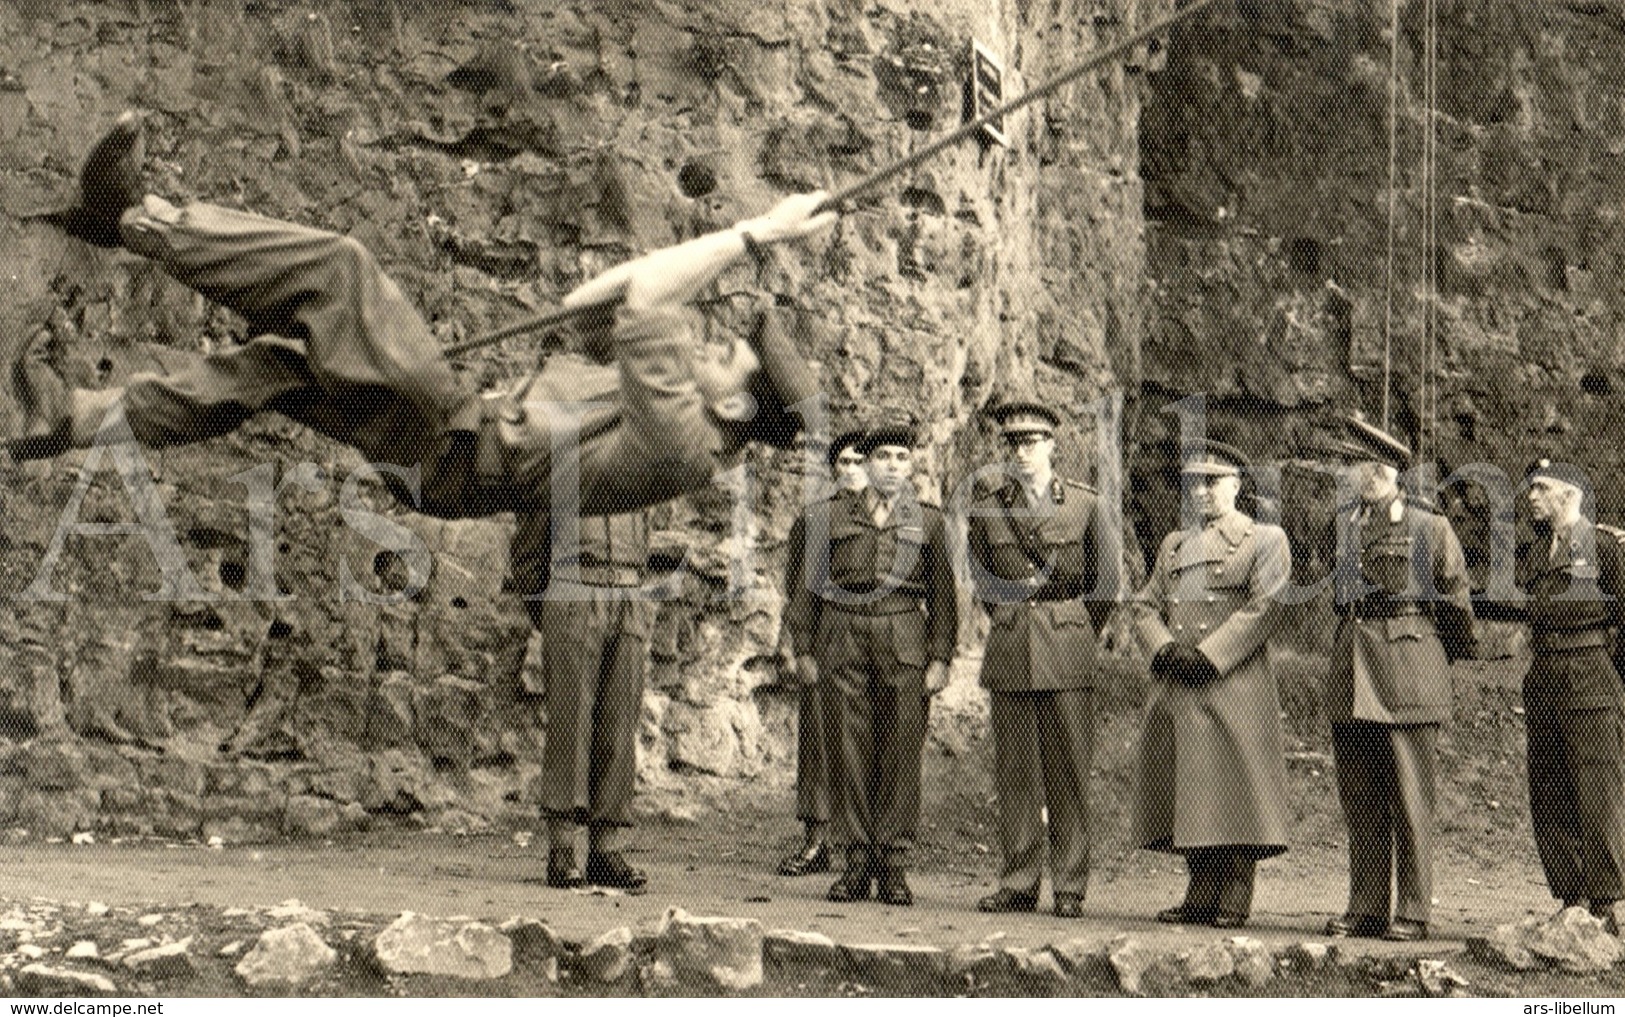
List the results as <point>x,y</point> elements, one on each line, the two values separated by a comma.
<point>1184,664</point>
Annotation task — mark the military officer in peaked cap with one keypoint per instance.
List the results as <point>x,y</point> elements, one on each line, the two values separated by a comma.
<point>849,478</point>
<point>1403,601</point>
<point>1033,559</point>
<point>1573,704</point>
<point>878,622</point>
<point>1212,775</point>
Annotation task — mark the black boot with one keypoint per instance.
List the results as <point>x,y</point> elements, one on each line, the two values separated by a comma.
<point>893,887</point>
<point>609,868</point>
<point>562,871</point>
<point>109,183</point>
<point>855,882</point>
<point>813,857</point>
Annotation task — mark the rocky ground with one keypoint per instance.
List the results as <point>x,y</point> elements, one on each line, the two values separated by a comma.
<point>152,916</point>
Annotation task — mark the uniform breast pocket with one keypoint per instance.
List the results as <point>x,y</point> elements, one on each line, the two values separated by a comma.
<point>846,551</point>
<point>910,552</point>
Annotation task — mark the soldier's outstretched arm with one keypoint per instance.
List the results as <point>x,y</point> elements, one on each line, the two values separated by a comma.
<point>674,274</point>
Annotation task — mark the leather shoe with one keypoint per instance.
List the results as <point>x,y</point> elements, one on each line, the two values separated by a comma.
<point>855,882</point>
<point>810,859</point>
<point>1068,905</point>
<point>44,398</point>
<point>892,887</point>
<point>1223,919</point>
<point>1405,930</point>
<point>1182,915</point>
<point>109,183</point>
<point>1006,899</point>
<point>608,868</point>
<point>562,871</point>
<point>1369,926</point>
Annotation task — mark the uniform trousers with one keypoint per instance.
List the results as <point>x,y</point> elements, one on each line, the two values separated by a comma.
<point>812,780</point>
<point>595,647</point>
<point>875,711</point>
<point>1576,760</point>
<point>337,347</point>
<point>1043,746</point>
<point>1387,781</point>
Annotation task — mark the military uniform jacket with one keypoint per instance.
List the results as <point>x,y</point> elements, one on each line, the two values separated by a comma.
<point>1575,594</point>
<point>545,547</point>
<point>795,569</point>
<point>1032,566</point>
<point>1405,601</point>
<point>853,564</point>
<point>640,431</point>
<point>1212,771</point>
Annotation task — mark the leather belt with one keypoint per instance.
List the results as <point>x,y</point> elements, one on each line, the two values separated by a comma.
<point>891,603</point>
<point>1360,610</point>
<point>1556,640</point>
<point>597,575</point>
<point>1052,596</point>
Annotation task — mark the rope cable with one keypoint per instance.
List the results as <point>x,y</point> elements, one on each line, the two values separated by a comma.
<point>1393,189</point>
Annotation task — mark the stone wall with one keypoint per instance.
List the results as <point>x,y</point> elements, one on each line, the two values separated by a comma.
<point>493,155</point>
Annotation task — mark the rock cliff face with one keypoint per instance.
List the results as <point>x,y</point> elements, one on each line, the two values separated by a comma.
<point>1266,158</point>
<point>493,155</point>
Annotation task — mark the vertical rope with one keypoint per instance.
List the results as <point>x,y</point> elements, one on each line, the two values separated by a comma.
<point>1430,327</point>
<point>1393,190</point>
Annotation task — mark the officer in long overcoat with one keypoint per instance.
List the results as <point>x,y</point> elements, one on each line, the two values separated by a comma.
<point>1403,601</point>
<point>1033,560</point>
<point>1212,775</point>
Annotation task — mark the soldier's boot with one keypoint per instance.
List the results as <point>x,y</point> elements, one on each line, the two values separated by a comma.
<point>563,872</point>
<point>606,866</point>
<point>855,882</point>
<point>813,856</point>
<point>893,888</point>
<point>109,182</point>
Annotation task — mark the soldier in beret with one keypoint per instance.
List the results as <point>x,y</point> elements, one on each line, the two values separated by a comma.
<point>1404,614</point>
<point>1033,558</point>
<point>877,621</point>
<point>1212,773</point>
<point>1574,708</point>
<point>812,755</point>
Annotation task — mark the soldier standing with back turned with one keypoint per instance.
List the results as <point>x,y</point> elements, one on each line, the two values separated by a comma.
<point>1032,554</point>
<point>582,580</point>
